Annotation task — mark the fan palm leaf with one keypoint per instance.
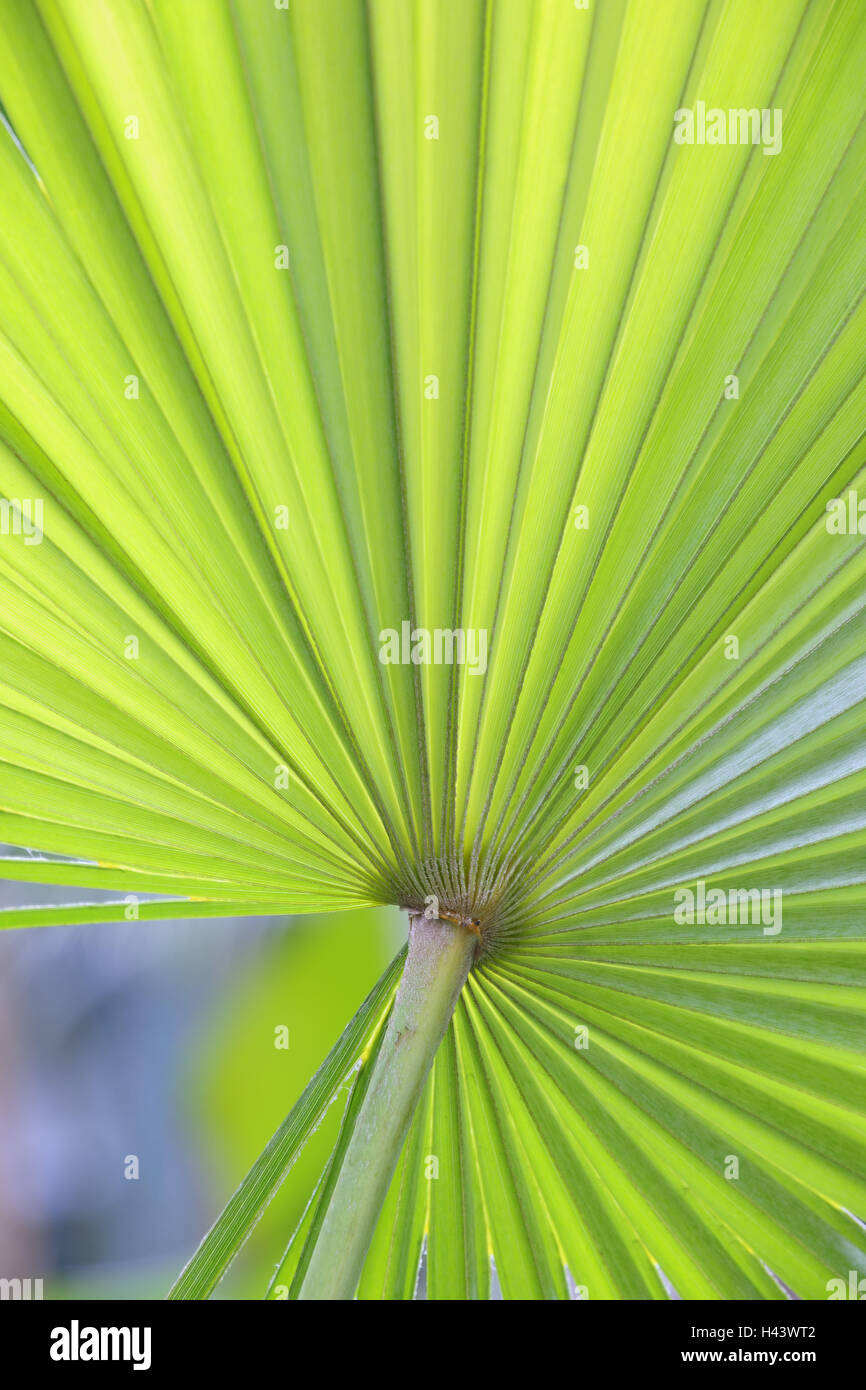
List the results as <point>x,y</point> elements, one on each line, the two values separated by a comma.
<point>328,325</point>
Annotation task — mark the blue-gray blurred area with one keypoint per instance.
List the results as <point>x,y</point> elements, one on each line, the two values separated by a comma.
<point>109,1175</point>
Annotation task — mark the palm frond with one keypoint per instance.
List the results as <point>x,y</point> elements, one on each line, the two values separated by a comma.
<point>324,322</point>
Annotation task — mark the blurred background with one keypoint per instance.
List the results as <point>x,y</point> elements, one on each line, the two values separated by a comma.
<point>143,1067</point>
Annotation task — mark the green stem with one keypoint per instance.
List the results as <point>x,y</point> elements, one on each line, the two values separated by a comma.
<point>437,964</point>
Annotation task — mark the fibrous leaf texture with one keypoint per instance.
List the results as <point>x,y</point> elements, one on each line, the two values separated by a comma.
<point>431,444</point>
